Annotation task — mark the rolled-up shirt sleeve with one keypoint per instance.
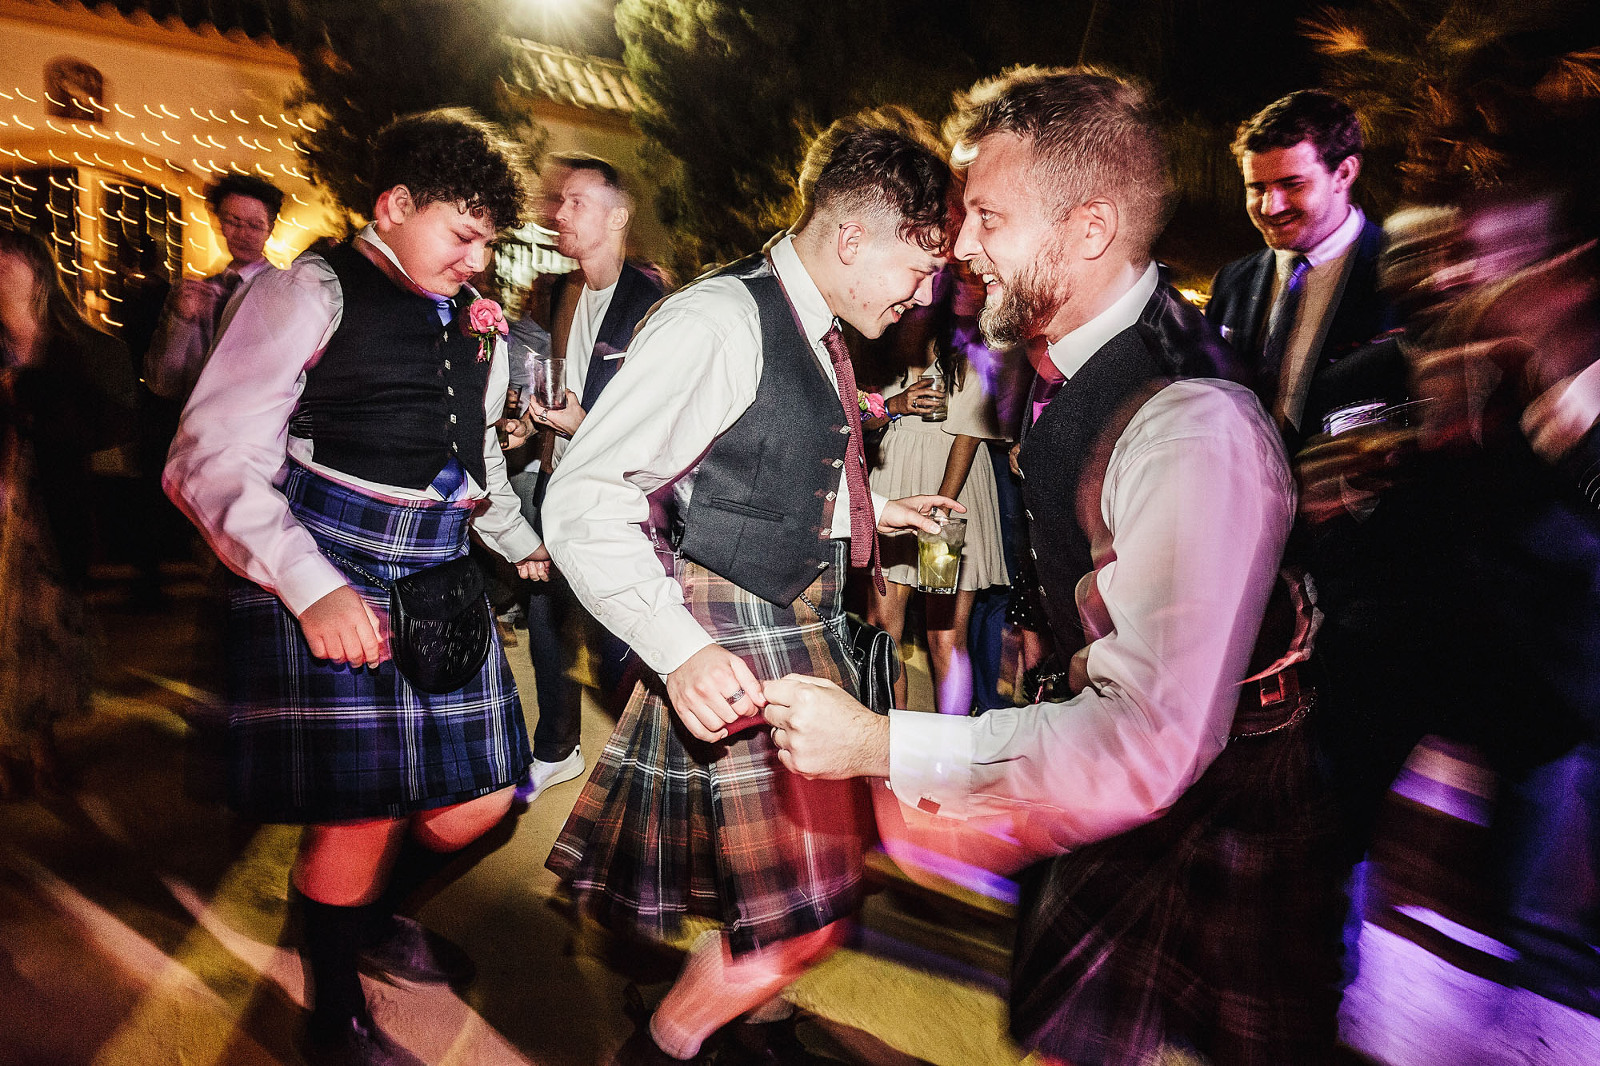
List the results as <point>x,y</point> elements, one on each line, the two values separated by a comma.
<point>225,462</point>
<point>1198,500</point>
<point>501,525</point>
<point>690,373</point>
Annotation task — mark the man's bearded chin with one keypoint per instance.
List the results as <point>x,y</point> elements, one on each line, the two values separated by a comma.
<point>1023,310</point>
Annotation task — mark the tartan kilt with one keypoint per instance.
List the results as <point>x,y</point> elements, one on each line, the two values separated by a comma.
<point>312,742</point>
<point>669,826</point>
<point>1215,928</point>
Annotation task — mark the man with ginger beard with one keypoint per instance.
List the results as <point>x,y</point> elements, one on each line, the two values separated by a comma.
<point>1181,896</point>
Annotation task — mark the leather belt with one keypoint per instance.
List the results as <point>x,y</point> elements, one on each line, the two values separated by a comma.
<point>1273,703</point>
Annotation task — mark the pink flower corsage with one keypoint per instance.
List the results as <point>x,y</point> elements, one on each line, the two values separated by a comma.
<point>871,404</point>
<point>484,321</point>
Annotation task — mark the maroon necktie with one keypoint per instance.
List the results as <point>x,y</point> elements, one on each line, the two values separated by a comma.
<point>863,527</point>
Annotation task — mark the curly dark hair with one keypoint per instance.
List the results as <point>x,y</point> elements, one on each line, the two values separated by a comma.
<point>1326,121</point>
<point>883,159</point>
<point>231,184</point>
<point>453,156</point>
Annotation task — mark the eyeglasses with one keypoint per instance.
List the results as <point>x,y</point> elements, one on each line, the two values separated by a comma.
<point>249,226</point>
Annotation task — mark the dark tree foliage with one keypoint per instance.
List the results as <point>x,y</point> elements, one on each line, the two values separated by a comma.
<point>1456,96</point>
<point>378,59</point>
<point>736,87</point>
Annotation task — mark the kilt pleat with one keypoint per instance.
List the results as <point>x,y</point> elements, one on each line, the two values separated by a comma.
<point>668,826</point>
<point>312,741</point>
<point>1215,928</point>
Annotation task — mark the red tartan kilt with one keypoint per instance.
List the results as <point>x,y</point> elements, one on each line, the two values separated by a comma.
<point>669,826</point>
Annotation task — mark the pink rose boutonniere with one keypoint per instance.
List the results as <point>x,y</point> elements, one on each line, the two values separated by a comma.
<point>871,404</point>
<point>484,321</point>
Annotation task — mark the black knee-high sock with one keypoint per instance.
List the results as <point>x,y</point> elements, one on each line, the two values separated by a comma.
<point>333,936</point>
<point>420,873</point>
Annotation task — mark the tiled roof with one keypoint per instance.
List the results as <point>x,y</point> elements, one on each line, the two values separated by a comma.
<point>273,20</point>
<point>579,81</point>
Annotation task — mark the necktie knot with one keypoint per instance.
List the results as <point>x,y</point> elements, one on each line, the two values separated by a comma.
<point>838,351</point>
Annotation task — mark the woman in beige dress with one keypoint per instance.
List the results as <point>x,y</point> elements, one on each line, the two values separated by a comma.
<point>956,373</point>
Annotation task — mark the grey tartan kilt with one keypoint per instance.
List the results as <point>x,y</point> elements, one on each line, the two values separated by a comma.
<point>1215,928</point>
<point>669,826</point>
<point>311,741</point>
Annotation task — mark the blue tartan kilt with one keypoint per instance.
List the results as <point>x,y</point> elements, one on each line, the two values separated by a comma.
<point>311,741</point>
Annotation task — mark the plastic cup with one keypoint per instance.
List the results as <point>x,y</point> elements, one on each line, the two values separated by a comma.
<point>550,381</point>
<point>942,411</point>
<point>939,556</point>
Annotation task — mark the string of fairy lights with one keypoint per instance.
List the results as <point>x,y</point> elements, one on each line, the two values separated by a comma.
<point>94,177</point>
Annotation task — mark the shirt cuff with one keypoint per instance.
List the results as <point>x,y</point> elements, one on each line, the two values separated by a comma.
<point>307,581</point>
<point>668,639</point>
<point>930,761</point>
<point>877,507</point>
<point>517,543</point>
<point>1558,420</point>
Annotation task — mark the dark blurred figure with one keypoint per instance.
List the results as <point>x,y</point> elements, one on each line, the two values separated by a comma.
<point>66,392</point>
<point>151,523</point>
<point>1481,571</point>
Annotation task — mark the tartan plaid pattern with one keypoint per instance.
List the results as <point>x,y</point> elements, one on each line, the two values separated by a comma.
<point>1215,928</point>
<point>313,742</point>
<point>668,826</point>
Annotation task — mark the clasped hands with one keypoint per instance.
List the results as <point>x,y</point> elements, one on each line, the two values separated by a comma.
<point>820,730</point>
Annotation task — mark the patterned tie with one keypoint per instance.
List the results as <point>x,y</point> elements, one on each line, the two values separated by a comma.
<point>863,527</point>
<point>1280,327</point>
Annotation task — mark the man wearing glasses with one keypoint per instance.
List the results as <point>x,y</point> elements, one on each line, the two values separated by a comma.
<point>246,209</point>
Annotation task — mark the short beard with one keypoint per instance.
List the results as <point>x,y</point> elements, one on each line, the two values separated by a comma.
<point>1026,306</point>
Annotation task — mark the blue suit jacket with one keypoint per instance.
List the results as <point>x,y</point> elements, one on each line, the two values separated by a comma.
<point>1241,297</point>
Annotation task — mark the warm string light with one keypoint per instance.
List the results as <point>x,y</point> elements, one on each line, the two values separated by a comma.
<point>153,170</point>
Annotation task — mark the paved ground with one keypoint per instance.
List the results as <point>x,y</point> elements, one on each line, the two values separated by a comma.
<point>139,924</point>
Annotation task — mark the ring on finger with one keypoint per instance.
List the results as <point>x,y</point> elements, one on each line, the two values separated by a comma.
<point>738,694</point>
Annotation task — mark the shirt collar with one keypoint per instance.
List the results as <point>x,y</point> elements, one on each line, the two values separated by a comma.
<point>1331,247</point>
<point>815,316</point>
<point>370,235</point>
<point>250,270</point>
<point>1072,351</point>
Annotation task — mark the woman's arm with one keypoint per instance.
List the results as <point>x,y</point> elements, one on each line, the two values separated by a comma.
<point>959,464</point>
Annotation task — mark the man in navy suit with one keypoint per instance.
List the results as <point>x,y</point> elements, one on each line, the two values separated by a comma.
<point>594,311</point>
<point>1299,307</point>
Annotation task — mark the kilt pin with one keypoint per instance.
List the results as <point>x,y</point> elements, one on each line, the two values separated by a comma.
<point>669,826</point>
<point>314,742</point>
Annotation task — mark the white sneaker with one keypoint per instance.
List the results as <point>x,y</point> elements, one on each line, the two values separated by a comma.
<point>541,775</point>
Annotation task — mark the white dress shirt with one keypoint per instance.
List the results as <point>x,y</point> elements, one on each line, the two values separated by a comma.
<point>1198,500</point>
<point>691,372</point>
<point>1330,263</point>
<point>228,458</point>
<point>180,346</point>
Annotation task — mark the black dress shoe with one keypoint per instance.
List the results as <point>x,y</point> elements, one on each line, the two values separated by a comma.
<point>405,950</point>
<point>352,1042</point>
<point>766,1044</point>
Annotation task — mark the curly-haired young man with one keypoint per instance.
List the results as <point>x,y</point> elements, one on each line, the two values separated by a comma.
<point>340,438</point>
<point>738,391</point>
